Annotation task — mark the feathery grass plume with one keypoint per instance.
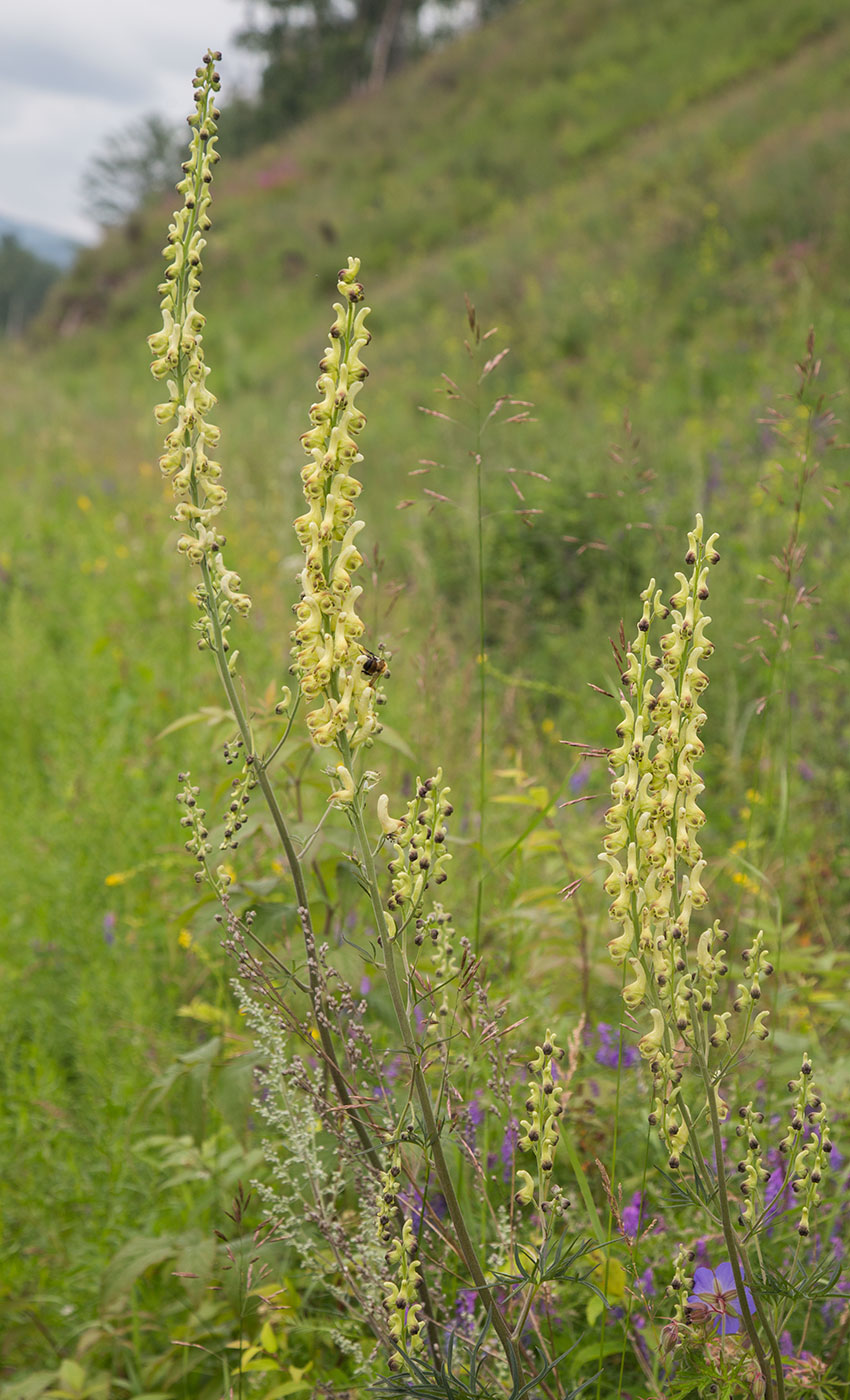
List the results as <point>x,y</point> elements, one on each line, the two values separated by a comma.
<point>655,881</point>
<point>178,351</point>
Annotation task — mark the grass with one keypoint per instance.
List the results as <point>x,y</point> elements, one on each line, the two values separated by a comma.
<point>650,201</point>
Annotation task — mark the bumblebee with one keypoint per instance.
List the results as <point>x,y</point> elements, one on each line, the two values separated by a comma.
<point>373,665</point>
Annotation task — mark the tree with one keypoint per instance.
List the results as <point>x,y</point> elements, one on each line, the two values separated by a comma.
<point>24,283</point>
<point>134,164</point>
<point>318,52</point>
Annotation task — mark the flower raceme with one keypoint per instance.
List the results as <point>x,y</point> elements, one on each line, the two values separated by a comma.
<point>329,659</point>
<point>652,848</point>
<point>179,359</point>
<point>655,881</point>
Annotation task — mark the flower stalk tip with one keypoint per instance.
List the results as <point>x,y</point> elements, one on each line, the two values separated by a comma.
<point>328,658</point>
<point>178,354</point>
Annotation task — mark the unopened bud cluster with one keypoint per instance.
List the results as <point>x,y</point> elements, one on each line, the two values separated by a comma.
<point>402,1298</point>
<point>753,1172</point>
<point>328,658</point>
<point>420,855</point>
<point>436,928</point>
<point>652,847</point>
<point>807,1143</point>
<point>541,1130</point>
<point>401,1302</point>
<point>236,815</point>
<point>388,1189</point>
<point>179,358</point>
<point>681,1283</point>
<point>193,819</point>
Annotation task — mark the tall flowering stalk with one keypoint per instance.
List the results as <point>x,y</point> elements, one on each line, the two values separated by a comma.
<point>179,359</point>
<point>200,496</point>
<point>330,662</point>
<point>675,972</point>
<point>383,1145</point>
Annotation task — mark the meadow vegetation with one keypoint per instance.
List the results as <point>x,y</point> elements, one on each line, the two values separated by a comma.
<point>649,203</point>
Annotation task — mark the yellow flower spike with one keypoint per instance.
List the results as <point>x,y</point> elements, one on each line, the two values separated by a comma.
<point>328,658</point>
<point>178,352</point>
<point>721,1033</point>
<point>759,1030</point>
<point>389,825</point>
<point>525,1194</point>
<point>634,993</point>
<point>651,1043</point>
<point>346,791</point>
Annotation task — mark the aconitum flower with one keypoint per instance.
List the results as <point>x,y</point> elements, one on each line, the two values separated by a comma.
<point>179,359</point>
<point>333,668</point>
<point>714,1300</point>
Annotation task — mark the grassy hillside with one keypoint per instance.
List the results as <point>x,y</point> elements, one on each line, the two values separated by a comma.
<point>649,198</point>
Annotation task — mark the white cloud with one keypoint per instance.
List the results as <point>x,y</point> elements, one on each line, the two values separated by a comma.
<point>74,73</point>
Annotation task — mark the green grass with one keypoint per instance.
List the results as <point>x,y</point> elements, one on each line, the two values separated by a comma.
<point>650,201</point>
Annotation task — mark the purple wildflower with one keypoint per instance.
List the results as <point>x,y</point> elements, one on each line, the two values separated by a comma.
<point>465,1310</point>
<point>701,1249</point>
<point>632,1214</point>
<point>435,1208</point>
<point>509,1145</point>
<point>474,1109</point>
<point>715,1302</point>
<point>579,779</point>
<point>646,1282</point>
<point>109,922</point>
<point>609,1052</point>
<point>777,1195</point>
<point>365,986</point>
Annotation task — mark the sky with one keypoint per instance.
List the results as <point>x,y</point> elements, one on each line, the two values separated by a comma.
<point>73,72</point>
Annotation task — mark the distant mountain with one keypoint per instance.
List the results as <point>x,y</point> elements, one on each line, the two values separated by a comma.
<point>45,243</point>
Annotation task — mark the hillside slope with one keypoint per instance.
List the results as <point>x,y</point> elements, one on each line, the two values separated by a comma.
<point>650,199</point>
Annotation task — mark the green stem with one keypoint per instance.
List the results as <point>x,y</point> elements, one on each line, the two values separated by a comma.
<point>482,677</point>
<point>432,1132</point>
<point>736,1253</point>
<point>296,872</point>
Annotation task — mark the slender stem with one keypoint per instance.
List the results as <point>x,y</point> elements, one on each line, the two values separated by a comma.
<point>610,1221</point>
<point>432,1132</point>
<point>270,757</point>
<point>526,1309</point>
<point>296,871</point>
<point>736,1253</point>
<point>482,674</point>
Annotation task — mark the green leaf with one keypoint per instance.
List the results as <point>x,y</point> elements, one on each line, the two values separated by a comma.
<point>30,1387</point>
<point>72,1377</point>
<point>132,1260</point>
<point>233,1090</point>
<point>196,1257</point>
<point>268,1337</point>
<point>393,740</point>
<point>593,1352</point>
<point>594,1309</point>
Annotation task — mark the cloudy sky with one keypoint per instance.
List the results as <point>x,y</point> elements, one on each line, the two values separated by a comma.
<point>72,72</point>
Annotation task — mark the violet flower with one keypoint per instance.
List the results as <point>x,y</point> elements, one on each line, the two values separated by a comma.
<point>609,1052</point>
<point>715,1302</point>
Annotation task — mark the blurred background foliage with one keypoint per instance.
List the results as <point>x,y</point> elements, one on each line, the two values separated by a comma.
<point>648,199</point>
